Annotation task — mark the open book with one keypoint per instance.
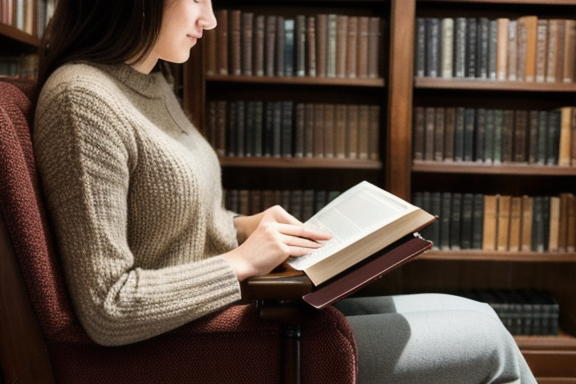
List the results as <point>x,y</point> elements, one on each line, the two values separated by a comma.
<point>362,221</point>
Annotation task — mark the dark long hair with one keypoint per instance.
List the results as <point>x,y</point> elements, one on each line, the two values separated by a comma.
<point>99,31</point>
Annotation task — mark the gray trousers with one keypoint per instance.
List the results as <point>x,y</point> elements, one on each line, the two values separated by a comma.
<point>432,338</point>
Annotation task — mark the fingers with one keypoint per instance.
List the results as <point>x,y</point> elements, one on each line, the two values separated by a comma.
<point>300,231</point>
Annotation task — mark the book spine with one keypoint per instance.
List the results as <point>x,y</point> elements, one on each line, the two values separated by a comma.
<point>489,137</point>
<point>318,130</point>
<point>259,44</point>
<point>439,134</point>
<point>353,127</point>
<point>363,132</point>
<point>363,46</point>
<point>502,49</point>
<point>340,131</point>
<point>280,50</point>
<point>455,222</point>
<point>331,45</point>
<point>321,44</point>
<point>447,45</point>
<point>352,46</point>
<point>449,123</point>
<point>466,221</point>
<point>471,43</point>
<point>236,42</point>
<point>482,55</point>
<point>469,124</point>
<point>490,223</point>
<point>300,49</point>
<point>270,45</point>
<point>374,135</point>
<point>569,52</point>
<point>374,43</point>
<point>480,135</point>
<point>512,59</point>
<point>419,132</point>
<point>520,130</point>
<point>459,135</point>
<point>420,43</point>
<point>329,130</point>
<point>247,30</point>
<point>430,120</point>
<point>446,207</point>
<point>432,47</point>
<point>311,45</point>
<point>477,220</point>
<point>541,49</point>
<point>289,46</point>
<point>552,50</point>
<point>309,122</point>
<point>492,49</point>
<point>341,45</point>
<point>460,47</point>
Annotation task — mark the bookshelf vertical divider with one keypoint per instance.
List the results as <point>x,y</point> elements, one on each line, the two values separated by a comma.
<point>400,84</point>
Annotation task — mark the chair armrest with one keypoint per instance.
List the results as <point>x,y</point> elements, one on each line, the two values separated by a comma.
<point>278,295</point>
<point>281,284</point>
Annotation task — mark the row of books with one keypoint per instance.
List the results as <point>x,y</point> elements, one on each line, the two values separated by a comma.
<point>524,49</point>
<point>290,129</point>
<point>495,136</point>
<point>30,16</point>
<point>19,66</point>
<point>322,45</point>
<point>302,204</point>
<point>522,311</point>
<point>500,222</point>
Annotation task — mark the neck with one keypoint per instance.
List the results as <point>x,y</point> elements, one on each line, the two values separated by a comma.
<point>145,66</point>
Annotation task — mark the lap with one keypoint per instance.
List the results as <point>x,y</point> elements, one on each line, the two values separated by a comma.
<point>430,338</point>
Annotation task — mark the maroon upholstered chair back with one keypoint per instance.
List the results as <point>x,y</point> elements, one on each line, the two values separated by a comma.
<point>24,213</point>
<point>232,346</point>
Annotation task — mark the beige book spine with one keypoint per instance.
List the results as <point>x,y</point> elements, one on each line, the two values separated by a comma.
<point>527,217</point>
<point>554,233</point>
<point>502,49</point>
<point>504,203</point>
<point>490,224</point>
<point>515,224</point>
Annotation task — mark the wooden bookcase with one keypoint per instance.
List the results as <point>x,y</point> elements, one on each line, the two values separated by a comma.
<point>553,358</point>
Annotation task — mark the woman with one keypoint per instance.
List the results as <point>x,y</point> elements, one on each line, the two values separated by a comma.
<point>134,195</point>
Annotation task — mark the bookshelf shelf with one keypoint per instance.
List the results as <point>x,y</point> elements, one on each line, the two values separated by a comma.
<point>263,162</point>
<point>491,169</point>
<point>277,80</point>
<point>562,341</point>
<point>18,35</point>
<point>492,85</point>
<point>479,255</point>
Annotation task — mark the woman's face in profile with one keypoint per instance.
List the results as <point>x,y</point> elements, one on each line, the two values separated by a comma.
<point>183,24</point>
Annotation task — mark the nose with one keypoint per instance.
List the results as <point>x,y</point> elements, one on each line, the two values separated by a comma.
<point>208,19</point>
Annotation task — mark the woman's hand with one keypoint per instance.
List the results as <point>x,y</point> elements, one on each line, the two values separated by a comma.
<point>268,239</point>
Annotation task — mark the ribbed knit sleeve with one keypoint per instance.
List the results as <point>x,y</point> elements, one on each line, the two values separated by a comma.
<point>135,200</point>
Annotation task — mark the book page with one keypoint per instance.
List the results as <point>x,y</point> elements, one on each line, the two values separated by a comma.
<point>354,214</point>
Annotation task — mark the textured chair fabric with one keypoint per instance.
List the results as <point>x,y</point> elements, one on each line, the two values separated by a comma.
<point>232,346</point>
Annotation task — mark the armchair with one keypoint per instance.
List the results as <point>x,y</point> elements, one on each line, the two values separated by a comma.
<point>42,340</point>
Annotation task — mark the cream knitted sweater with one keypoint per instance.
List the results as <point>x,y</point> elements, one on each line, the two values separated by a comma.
<point>135,198</point>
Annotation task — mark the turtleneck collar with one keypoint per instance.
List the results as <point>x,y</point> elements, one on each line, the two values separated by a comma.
<point>148,85</point>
